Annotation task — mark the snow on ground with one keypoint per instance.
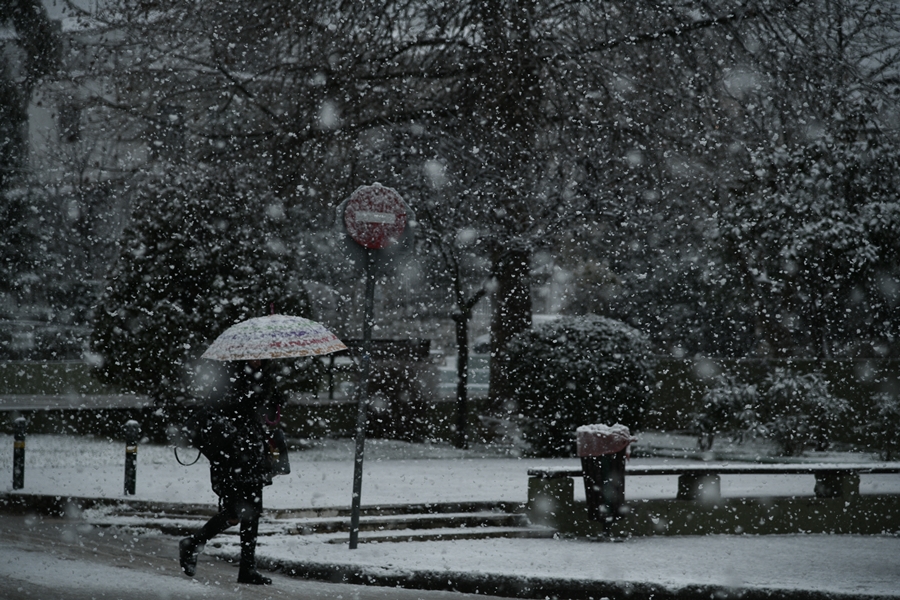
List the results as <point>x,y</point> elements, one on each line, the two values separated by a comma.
<point>397,473</point>
<point>22,570</point>
<point>851,564</point>
<point>322,476</point>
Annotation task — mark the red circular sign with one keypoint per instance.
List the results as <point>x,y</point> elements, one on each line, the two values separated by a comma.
<point>375,216</point>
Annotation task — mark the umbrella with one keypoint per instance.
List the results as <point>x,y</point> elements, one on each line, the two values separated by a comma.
<point>273,336</point>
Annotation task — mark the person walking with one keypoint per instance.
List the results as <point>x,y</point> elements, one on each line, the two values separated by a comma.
<point>239,468</point>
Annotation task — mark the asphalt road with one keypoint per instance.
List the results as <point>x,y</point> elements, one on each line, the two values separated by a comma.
<point>50,558</point>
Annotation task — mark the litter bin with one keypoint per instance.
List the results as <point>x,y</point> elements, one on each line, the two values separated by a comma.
<point>603,450</point>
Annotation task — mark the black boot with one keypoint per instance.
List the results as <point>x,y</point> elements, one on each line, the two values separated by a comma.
<point>189,547</point>
<point>249,532</point>
<point>187,554</point>
<point>253,577</point>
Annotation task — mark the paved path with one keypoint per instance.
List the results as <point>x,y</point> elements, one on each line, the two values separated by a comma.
<point>52,559</point>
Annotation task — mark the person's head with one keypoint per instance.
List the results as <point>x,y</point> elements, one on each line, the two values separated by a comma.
<point>247,372</point>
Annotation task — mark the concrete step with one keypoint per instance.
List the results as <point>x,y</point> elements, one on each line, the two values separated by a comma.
<point>401,509</point>
<point>425,535</point>
<point>160,509</point>
<point>392,524</point>
<point>408,522</point>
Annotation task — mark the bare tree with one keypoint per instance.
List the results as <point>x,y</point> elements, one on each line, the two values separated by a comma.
<point>542,113</point>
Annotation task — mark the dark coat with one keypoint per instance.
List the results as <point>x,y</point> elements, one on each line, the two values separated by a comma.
<point>243,463</point>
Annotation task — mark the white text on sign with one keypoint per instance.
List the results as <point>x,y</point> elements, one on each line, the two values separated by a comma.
<point>368,216</point>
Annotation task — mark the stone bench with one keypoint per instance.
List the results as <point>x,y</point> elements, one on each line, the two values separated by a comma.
<point>703,481</point>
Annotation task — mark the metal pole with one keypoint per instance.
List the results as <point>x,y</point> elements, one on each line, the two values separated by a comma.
<point>462,379</point>
<point>331,377</point>
<point>19,453</point>
<point>363,408</point>
<point>132,435</point>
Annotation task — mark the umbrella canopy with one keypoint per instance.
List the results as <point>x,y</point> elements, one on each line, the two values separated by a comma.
<point>273,336</point>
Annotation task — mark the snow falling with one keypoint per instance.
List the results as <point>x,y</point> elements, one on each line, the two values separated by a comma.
<point>680,217</point>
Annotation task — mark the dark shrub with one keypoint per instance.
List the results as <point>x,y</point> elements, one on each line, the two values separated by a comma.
<point>884,428</point>
<point>799,411</point>
<point>728,407</point>
<point>577,371</point>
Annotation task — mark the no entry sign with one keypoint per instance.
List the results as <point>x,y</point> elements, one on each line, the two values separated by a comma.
<point>375,216</point>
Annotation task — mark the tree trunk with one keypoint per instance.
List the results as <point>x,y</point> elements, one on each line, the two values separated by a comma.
<point>462,378</point>
<point>511,314</point>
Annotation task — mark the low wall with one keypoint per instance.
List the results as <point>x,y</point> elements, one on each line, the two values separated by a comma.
<point>103,422</point>
<point>550,504</point>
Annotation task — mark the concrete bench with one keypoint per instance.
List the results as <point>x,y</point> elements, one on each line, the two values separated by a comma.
<point>703,481</point>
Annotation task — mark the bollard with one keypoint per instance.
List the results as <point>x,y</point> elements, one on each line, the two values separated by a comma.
<point>132,435</point>
<point>19,453</point>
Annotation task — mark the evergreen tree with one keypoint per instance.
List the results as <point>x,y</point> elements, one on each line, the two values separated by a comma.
<point>815,247</point>
<point>204,251</point>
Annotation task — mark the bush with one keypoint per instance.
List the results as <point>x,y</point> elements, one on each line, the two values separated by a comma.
<point>884,428</point>
<point>198,256</point>
<point>577,371</point>
<point>729,407</point>
<point>799,411</point>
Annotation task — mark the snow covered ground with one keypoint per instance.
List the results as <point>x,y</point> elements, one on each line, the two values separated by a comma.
<point>852,564</point>
<point>398,473</point>
<point>394,473</point>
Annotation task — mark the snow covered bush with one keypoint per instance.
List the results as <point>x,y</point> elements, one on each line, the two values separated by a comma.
<point>810,231</point>
<point>576,371</point>
<point>884,427</point>
<point>799,411</point>
<point>205,248</point>
<point>729,407</point>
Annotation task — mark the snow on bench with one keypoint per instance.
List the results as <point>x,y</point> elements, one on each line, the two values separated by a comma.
<point>704,481</point>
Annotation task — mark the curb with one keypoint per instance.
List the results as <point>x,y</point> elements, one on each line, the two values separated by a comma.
<point>537,588</point>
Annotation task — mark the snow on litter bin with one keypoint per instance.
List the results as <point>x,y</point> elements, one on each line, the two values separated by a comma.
<point>603,450</point>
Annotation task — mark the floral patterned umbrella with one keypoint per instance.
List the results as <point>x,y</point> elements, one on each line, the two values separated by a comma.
<point>273,336</point>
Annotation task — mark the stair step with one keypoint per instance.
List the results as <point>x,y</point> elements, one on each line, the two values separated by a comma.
<point>429,535</point>
<point>390,523</point>
<point>447,524</point>
<point>401,509</point>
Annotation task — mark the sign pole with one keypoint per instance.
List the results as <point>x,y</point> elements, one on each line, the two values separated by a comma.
<point>375,218</point>
<point>363,407</point>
